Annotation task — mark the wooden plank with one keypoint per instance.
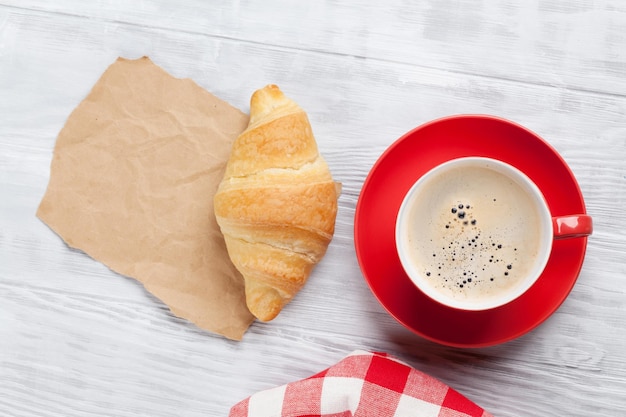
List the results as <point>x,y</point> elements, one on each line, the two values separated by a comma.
<point>567,44</point>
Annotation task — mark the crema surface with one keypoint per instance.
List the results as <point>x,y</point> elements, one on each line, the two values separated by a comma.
<point>474,234</point>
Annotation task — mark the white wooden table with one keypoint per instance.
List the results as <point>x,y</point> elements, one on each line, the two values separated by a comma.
<point>79,340</point>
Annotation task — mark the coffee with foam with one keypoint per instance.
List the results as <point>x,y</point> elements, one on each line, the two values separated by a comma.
<point>474,233</point>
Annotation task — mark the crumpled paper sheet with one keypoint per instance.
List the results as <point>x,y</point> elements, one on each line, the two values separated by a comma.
<point>132,181</point>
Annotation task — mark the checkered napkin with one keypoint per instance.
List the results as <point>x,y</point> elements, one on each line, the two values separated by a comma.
<point>363,384</point>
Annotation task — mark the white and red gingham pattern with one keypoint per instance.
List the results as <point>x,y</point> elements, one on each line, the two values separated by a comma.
<point>363,384</point>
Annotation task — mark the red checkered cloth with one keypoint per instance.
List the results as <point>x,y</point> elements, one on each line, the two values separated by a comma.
<point>363,384</point>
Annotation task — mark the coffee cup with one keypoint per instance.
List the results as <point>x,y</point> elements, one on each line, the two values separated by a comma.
<point>476,233</point>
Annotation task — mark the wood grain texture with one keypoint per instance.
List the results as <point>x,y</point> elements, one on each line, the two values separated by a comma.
<point>79,340</point>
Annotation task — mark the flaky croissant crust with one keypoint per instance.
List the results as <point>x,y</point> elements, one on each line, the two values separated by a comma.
<point>277,203</point>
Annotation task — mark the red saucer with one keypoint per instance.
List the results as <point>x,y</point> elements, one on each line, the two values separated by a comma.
<point>409,158</point>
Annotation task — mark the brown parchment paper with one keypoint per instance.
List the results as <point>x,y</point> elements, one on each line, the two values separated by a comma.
<point>132,181</point>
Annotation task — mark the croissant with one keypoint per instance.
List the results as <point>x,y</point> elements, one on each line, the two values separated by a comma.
<point>277,203</point>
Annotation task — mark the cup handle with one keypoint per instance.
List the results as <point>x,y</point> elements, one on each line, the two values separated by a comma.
<point>577,225</point>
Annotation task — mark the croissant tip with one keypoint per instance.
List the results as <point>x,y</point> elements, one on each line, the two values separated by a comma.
<point>270,91</point>
<point>265,315</point>
<point>265,303</point>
